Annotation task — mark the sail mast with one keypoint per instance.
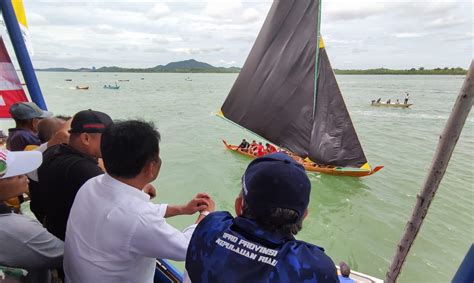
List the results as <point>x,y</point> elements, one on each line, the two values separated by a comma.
<point>316,66</point>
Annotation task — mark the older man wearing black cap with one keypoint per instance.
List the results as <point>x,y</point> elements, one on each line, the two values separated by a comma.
<point>26,116</point>
<point>66,167</point>
<point>259,245</point>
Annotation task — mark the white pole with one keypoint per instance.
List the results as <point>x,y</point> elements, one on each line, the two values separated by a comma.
<point>447,142</point>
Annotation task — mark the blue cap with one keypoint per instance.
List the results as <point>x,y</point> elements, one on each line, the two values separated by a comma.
<point>276,181</point>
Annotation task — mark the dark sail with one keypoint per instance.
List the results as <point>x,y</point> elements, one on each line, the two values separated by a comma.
<point>273,94</point>
<point>334,140</point>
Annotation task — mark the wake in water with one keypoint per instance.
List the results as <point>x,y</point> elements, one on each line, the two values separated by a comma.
<point>405,115</point>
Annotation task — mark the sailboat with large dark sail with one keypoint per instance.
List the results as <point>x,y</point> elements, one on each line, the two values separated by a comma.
<point>287,93</point>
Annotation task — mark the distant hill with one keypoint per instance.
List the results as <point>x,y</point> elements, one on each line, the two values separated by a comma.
<point>193,66</point>
<point>187,66</point>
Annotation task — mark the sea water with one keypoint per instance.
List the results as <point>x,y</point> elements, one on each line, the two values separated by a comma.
<point>359,221</point>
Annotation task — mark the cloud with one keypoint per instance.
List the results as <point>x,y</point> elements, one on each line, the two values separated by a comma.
<point>194,50</point>
<point>158,10</point>
<point>408,35</point>
<point>447,22</point>
<point>37,19</point>
<point>251,15</point>
<point>353,10</point>
<point>223,9</point>
<point>227,63</point>
<point>149,32</point>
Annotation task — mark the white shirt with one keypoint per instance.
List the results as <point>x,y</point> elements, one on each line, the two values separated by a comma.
<point>114,233</point>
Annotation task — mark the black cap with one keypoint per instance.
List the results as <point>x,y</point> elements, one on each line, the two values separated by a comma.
<point>90,121</point>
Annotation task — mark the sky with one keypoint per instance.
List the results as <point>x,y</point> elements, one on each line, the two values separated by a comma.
<point>396,34</point>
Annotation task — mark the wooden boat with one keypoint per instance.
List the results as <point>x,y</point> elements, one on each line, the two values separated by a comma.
<point>123,80</point>
<point>82,87</point>
<point>396,105</point>
<point>111,86</point>
<point>287,93</point>
<point>313,167</point>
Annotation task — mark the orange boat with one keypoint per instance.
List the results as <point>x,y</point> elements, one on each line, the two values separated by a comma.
<point>313,167</point>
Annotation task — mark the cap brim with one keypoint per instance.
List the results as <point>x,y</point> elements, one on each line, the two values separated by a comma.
<point>46,114</point>
<point>22,162</point>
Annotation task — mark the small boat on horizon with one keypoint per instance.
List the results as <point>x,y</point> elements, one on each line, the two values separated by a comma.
<point>396,105</point>
<point>68,80</point>
<point>123,80</point>
<point>112,86</point>
<point>82,87</point>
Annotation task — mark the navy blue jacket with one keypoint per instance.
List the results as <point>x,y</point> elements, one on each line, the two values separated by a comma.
<point>227,249</point>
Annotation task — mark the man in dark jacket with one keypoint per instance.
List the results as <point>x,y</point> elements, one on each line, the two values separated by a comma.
<point>66,167</point>
<point>26,116</point>
<point>259,245</point>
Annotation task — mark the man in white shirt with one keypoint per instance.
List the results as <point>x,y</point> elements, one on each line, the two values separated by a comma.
<point>114,233</point>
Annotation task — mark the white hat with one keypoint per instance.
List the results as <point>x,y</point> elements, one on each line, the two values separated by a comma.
<point>14,163</point>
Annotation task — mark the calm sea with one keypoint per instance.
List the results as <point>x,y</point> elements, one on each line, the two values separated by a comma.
<point>359,221</point>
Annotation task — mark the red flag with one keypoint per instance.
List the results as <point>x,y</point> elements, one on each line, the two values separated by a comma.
<point>11,90</point>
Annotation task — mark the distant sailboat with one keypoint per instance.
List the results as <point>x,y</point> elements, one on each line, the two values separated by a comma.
<point>283,97</point>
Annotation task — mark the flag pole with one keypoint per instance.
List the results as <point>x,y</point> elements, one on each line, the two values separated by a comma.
<point>21,52</point>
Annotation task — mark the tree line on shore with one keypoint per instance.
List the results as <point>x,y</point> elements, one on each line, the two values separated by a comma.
<point>412,71</point>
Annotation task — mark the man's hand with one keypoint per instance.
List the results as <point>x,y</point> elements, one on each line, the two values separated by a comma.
<point>200,202</point>
<point>150,190</point>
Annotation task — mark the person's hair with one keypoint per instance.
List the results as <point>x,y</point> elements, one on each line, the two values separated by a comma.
<point>281,220</point>
<point>48,127</point>
<point>63,117</point>
<point>22,122</point>
<point>127,146</point>
<point>345,269</point>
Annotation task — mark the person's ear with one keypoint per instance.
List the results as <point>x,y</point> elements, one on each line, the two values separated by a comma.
<point>85,138</point>
<point>148,170</point>
<point>306,212</point>
<point>239,202</point>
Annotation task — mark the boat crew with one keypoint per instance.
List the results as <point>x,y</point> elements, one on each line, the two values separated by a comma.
<point>270,148</point>
<point>244,145</point>
<point>407,95</point>
<point>259,245</point>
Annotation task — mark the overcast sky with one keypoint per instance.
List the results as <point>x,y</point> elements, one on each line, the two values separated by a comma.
<point>358,34</point>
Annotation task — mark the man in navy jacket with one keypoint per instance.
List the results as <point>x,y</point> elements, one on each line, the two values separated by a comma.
<point>259,245</point>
